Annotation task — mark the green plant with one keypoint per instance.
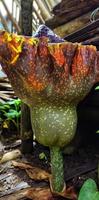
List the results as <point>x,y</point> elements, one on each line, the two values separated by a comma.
<point>42,156</point>
<point>89,191</point>
<point>10,113</point>
<point>97,87</point>
<point>97,131</point>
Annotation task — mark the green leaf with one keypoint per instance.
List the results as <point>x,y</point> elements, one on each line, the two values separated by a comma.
<point>11,102</point>
<point>42,156</point>
<point>1,119</point>
<point>12,114</point>
<point>89,191</point>
<point>97,131</point>
<point>16,101</point>
<point>4,106</point>
<point>97,87</point>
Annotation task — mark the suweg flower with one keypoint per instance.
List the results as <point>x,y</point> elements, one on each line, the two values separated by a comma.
<point>51,78</point>
<point>62,71</point>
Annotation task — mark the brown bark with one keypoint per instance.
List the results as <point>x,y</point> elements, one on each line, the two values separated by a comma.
<point>26,17</point>
<point>26,130</point>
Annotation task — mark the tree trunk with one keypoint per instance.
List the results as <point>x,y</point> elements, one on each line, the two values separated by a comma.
<point>26,129</point>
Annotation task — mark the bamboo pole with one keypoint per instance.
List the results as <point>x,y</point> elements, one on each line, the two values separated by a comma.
<point>17,3</point>
<point>4,23</point>
<point>12,15</point>
<point>34,26</point>
<point>39,15</point>
<point>48,5</point>
<point>11,18</point>
<point>52,3</point>
<point>35,19</point>
<point>45,13</point>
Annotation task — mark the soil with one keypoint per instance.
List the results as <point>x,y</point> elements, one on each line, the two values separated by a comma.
<point>78,166</point>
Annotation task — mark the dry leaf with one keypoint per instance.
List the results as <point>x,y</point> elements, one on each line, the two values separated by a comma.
<point>33,172</point>
<point>10,155</point>
<point>45,194</point>
<point>39,194</point>
<point>70,193</point>
<point>37,174</point>
<point>21,165</point>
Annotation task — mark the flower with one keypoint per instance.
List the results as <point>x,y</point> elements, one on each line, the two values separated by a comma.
<point>40,70</point>
<point>52,78</point>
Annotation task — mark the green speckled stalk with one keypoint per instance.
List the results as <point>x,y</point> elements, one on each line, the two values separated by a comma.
<point>57,181</point>
<point>54,126</point>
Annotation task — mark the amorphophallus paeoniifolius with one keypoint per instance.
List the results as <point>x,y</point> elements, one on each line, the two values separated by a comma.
<point>51,78</point>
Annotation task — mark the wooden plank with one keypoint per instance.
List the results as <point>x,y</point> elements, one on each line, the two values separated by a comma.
<point>66,6</point>
<point>73,25</point>
<point>71,10</point>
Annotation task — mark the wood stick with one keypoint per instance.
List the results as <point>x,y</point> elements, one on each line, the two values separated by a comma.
<point>86,35</point>
<point>94,40</point>
<point>90,27</point>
